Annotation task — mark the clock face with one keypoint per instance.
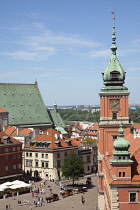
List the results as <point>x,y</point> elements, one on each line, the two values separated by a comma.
<point>114,104</point>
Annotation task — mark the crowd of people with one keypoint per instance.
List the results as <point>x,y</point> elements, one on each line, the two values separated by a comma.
<point>37,194</point>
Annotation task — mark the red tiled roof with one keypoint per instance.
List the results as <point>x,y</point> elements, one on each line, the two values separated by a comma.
<point>96,126</point>
<point>91,133</point>
<point>136,126</point>
<point>134,146</point>
<point>48,135</point>
<point>75,143</point>
<point>64,144</point>
<point>52,146</point>
<point>13,140</point>
<point>2,110</point>
<point>10,131</point>
<point>53,136</point>
<point>26,131</point>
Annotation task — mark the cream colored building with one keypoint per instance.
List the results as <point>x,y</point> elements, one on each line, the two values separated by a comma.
<point>44,155</point>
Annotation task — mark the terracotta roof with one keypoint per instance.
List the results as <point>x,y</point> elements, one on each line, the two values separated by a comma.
<point>13,140</point>
<point>135,168</point>
<point>10,130</point>
<point>54,137</point>
<point>134,146</point>
<point>52,146</point>
<point>136,126</point>
<point>129,137</point>
<point>2,110</point>
<point>64,144</point>
<point>91,133</point>
<point>26,131</point>
<point>75,143</point>
<point>96,126</point>
<point>48,135</point>
<point>106,167</point>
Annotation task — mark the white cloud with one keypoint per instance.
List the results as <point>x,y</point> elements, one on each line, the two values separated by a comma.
<point>30,56</point>
<point>69,40</point>
<point>35,42</point>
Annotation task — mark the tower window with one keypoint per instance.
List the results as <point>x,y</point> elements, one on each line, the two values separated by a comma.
<point>114,115</point>
<point>114,75</point>
<point>114,138</point>
<point>133,197</point>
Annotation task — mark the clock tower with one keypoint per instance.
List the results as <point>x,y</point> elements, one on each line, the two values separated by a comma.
<point>113,102</point>
<point>113,109</point>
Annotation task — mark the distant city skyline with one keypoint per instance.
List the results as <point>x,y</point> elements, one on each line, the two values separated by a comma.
<point>65,45</point>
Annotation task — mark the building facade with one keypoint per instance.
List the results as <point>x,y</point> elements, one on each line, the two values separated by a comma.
<point>10,158</point>
<point>44,155</point>
<point>118,162</point>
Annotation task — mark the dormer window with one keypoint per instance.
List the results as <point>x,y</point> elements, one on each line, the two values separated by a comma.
<point>114,75</point>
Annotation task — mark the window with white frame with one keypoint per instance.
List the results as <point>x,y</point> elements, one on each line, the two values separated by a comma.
<point>88,158</point>
<point>14,167</point>
<point>28,163</point>
<point>6,158</point>
<point>18,166</point>
<point>6,150</point>
<point>13,157</point>
<point>58,164</point>
<point>42,155</point>
<point>27,154</point>
<point>13,149</point>
<point>4,121</point>
<point>36,163</point>
<point>36,155</point>
<point>47,164</point>
<point>58,155</point>
<point>18,156</point>
<point>6,168</point>
<point>46,155</point>
<point>65,154</point>
<point>18,148</point>
<point>133,197</point>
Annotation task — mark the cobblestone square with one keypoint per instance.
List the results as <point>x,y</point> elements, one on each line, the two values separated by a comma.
<point>70,202</point>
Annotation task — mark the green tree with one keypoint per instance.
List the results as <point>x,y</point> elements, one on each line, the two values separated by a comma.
<point>89,141</point>
<point>73,166</point>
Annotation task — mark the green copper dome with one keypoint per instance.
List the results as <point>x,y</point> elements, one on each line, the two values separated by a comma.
<point>121,153</point>
<point>121,143</point>
<point>114,75</point>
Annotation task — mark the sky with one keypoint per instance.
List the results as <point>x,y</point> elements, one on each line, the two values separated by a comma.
<point>64,45</point>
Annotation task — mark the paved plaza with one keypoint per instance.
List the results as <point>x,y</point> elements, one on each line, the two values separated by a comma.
<point>70,202</point>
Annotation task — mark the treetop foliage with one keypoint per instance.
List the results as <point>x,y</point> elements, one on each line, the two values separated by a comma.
<point>89,141</point>
<point>78,115</point>
<point>73,166</point>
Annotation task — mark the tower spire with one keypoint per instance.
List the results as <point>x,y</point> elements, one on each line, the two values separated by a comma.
<point>113,46</point>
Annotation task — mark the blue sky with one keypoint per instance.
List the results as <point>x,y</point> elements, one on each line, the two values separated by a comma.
<point>65,44</point>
